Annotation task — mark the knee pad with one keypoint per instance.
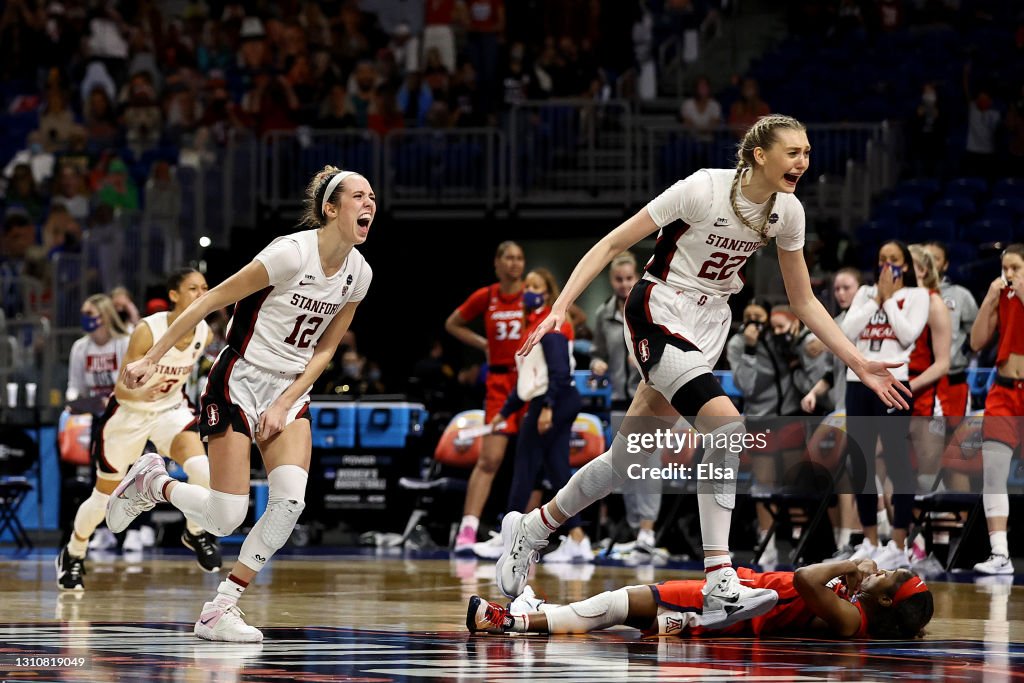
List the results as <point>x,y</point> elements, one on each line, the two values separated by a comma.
<point>721,462</point>
<point>285,505</point>
<point>197,468</point>
<point>610,607</point>
<point>996,458</point>
<point>225,512</point>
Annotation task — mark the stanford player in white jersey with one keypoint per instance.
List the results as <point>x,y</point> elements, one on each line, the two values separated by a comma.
<point>156,412</point>
<point>677,320</point>
<point>295,301</point>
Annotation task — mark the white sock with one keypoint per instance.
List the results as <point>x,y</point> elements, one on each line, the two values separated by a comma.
<point>843,536</point>
<point>997,539</point>
<point>645,537</point>
<point>471,521</point>
<point>89,516</point>
<point>720,563</point>
<point>539,523</point>
<point>228,592</point>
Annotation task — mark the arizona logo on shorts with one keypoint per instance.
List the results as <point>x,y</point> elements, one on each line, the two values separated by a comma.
<point>673,625</point>
<point>212,415</point>
<point>643,348</point>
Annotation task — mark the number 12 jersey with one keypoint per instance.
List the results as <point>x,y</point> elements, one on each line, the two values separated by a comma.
<point>278,327</point>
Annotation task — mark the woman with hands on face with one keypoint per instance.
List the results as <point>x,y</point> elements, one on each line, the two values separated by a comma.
<point>1002,310</point>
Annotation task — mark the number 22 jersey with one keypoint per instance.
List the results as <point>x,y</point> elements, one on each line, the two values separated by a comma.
<point>278,327</point>
<point>702,244</point>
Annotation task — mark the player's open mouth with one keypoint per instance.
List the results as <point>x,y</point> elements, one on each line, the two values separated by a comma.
<point>791,178</point>
<point>364,221</point>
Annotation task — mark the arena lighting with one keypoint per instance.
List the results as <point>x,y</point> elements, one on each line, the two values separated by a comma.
<point>204,241</point>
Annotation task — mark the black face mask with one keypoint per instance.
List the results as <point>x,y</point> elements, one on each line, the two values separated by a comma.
<point>783,338</point>
<point>124,316</point>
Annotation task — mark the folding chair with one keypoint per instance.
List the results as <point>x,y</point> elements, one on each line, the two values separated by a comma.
<point>18,454</point>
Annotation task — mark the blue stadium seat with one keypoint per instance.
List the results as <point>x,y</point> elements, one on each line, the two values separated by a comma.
<point>921,188</point>
<point>1008,188</point>
<point>904,211</point>
<point>967,187</point>
<point>941,229</point>
<point>957,209</point>
<point>1005,209</point>
<point>989,230</point>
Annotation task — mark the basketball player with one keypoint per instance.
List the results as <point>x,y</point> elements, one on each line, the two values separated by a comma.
<point>843,599</point>
<point>677,322</point>
<point>501,304</point>
<point>295,301</point>
<point>156,412</point>
<point>1001,309</point>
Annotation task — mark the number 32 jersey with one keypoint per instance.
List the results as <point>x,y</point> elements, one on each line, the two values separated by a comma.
<point>278,327</point>
<point>702,244</point>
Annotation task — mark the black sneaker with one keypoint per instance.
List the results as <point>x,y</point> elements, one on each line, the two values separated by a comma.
<point>70,570</point>
<point>206,548</point>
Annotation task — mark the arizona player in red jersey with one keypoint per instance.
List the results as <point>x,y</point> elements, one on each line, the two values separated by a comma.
<point>844,599</point>
<point>1002,309</point>
<point>501,305</point>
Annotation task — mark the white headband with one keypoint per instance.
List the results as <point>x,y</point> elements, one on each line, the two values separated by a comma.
<point>331,185</point>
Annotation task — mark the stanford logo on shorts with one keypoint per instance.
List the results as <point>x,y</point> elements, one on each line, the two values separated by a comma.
<point>212,415</point>
<point>644,350</point>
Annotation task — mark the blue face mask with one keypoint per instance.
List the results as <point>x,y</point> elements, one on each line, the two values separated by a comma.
<point>533,300</point>
<point>90,324</point>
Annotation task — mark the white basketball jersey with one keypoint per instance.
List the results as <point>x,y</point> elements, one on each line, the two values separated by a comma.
<point>93,368</point>
<point>702,244</point>
<point>278,328</point>
<point>173,370</point>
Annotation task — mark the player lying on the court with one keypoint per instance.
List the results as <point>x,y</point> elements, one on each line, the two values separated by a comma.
<point>846,599</point>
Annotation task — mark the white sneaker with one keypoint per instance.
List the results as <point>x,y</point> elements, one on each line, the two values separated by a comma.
<point>865,550</point>
<point>891,556</point>
<point>217,622</point>
<point>729,602</point>
<point>519,553</point>
<point>489,549</point>
<point>133,542</point>
<point>995,564</point>
<point>769,557</point>
<point>571,552</point>
<point>102,540</point>
<point>132,496</point>
<point>147,535</point>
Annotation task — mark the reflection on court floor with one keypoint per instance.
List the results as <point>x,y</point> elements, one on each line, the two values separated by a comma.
<point>366,617</point>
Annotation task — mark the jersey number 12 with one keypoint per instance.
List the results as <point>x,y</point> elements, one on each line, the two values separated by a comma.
<point>302,340</point>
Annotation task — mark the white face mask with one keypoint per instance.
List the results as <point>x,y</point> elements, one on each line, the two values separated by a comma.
<point>928,98</point>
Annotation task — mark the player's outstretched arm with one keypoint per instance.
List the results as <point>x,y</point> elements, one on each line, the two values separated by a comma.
<point>140,342</point>
<point>634,229</point>
<point>248,280</point>
<point>873,374</point>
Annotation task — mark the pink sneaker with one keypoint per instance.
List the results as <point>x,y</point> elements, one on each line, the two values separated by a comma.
<point>465,541</point>
<point>133,495</point>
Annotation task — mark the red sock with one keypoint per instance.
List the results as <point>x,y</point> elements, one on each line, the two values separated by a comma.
<point>235,579</point>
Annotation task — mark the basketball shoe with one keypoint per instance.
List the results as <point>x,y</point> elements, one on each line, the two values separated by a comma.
<point>206,548</point>
<point>728,601</point>
<point>225,623</point>
<point>520,552</point>
<point>489,617</point>
<point>70,570</point>
<point>995,564</point>
<point>133,496</point>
